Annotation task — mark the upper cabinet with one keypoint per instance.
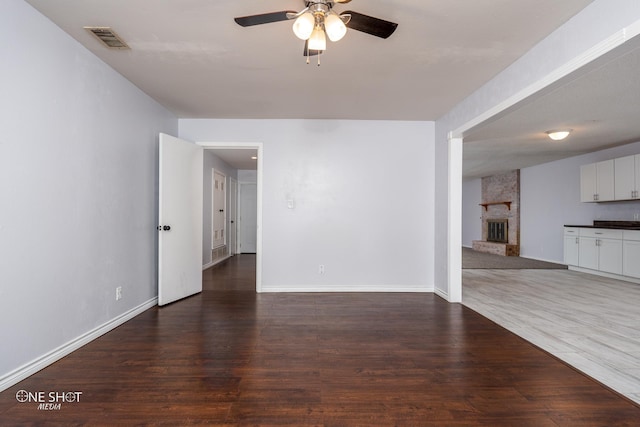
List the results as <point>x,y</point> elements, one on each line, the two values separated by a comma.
<point>627,177</point>
<point>610,180</point>
<point>597,182</point>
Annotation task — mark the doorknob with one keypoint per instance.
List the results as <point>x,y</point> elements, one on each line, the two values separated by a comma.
<point>166,228</point>
<point>221,210</point>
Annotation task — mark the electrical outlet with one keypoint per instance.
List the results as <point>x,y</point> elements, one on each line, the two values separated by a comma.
<point>118,293</point>
<point>321,269</point>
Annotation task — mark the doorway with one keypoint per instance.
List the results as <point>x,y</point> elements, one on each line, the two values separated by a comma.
<point>233,228</point>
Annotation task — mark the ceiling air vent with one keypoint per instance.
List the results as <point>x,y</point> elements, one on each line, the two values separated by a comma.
<point>107,36</point>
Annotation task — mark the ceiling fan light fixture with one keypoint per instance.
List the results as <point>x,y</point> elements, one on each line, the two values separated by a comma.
<point>318,40</point>
<point>558,135</point>
<point>334,26</point>
<point>304,25</point>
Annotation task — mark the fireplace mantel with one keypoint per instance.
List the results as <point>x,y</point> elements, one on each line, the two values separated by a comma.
<point>486,205</point>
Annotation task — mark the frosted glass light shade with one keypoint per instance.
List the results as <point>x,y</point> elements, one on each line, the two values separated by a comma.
<point>303,26</point>
<point>334,27</point>
<point>318,40</point>
<point>558,135</point>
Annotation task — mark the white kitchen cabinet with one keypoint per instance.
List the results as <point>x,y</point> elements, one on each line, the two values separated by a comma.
<point>605,251</point>
<point>588,253</point>
<point>571,245</point>
<point>597,181</point>
<point>610,256</point>
<point>631,253</point>
<point>600,249</point>
<point>588,186</point>
<point>627,177</point>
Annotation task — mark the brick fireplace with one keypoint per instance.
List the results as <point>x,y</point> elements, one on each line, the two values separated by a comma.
<point>500,215</point>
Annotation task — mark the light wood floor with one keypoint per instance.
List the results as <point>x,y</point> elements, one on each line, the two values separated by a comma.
<point>590,322</point>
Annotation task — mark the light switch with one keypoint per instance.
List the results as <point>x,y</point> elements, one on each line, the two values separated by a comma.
<point>291,204</point>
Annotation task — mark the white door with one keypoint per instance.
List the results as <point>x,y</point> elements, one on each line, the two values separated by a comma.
<point>179,219</point>
<point>571,250</point>
<point>624,177</point>
<point>630,258</point>
<point>248,217</point>
<point>610,255</point>
<point>218,210</point>
<point>588,185</point>
<point>636,174</point>
<point>588,253</point>
<point>604,180</point>
<point>233,216</point>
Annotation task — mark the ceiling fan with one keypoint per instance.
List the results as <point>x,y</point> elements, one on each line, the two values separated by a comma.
<point>318,20</point>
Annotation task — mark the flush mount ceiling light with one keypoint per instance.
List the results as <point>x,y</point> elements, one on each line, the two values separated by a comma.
<point>559,135</point>
<point>317,22</point>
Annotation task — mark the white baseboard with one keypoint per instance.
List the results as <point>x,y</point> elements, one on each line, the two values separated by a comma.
<point>345,288</point>
<point>604,274</point>
<point>25,371</point>
<point>442,294</point>
<point>216,262</point>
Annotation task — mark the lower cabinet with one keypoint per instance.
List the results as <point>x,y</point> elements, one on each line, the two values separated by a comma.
<point>610,256</point>
<point>571,246</point>
<point>588,253</point>
<point>631,254</point>
<point>598,249</point>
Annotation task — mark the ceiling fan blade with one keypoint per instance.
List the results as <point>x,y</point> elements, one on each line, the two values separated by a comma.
<point>370,25</point>
<point>308,52</point>
<point>342,1</point>
<point>264,18</point>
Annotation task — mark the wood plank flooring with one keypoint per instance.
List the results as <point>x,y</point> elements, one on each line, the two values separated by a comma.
<point>591,322</point>
<point>231,357</point>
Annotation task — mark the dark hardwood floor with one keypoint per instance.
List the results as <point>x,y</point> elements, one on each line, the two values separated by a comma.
<point>232,357</point>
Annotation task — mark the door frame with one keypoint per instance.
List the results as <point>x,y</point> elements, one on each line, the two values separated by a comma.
<point>248,146</point>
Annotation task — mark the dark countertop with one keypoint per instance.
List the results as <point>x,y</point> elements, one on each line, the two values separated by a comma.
<point>615,225</point>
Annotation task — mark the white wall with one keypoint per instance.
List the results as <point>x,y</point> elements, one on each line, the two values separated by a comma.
<point>212,162</point>
<point>595,23</point>
<point>247,176</point>
<point>471,211</point>
<point>550,198</point>
<point>363,194</point>
<point>78,183</point>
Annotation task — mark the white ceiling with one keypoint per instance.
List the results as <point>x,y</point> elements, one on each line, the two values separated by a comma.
<point>600,103</point>
<point>194,59</point>
<point>239,158</point>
